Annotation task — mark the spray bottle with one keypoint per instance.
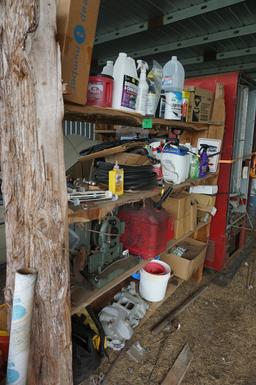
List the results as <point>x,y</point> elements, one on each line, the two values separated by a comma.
<point>204,160</point>
<point>141,101</point>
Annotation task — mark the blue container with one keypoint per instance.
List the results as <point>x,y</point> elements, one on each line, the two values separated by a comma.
<point>252,202</point>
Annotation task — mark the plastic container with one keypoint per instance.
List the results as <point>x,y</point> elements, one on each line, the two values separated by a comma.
<point>185,105</point>
<point>125,83</point>
<point>141,102</point>
<point>100,91</point>
<point>116,180</point>
<point>173,105</point>
<point>204,161</point>
<point>152,285</point>
<point>4,335</point>
<point>173,84</point>
<point>175,163</point>
<point>147,230</point>
<point>173,76</point>
<point>108,68</point>
<point>194,165</point>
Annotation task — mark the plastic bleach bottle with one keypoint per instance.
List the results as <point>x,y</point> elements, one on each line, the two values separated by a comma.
<point>141,102</point>
<point>172,85</point>
<point>108,68</point>
<point>125,83</point>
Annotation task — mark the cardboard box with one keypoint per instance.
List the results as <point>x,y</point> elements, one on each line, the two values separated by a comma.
<point>128,159</point>
<point>182,226</point>
<point>187,223</point>
<point>204,200</point>
<point>200,104</point>
<point>184,267</point>
<point>76,25</point>
<point>193,216</point>
<point>178,205</point>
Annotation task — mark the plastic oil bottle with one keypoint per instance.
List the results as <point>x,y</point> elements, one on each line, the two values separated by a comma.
<point>125,83</point>
<point>141,102</point>
<point>108,68</point>
<point>172,85</point>
<point>116,180</point>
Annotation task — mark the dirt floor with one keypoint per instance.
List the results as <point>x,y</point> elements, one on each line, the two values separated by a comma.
<point>220,329</point>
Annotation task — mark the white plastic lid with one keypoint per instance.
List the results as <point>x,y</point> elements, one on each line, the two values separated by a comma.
<point>174,58</point>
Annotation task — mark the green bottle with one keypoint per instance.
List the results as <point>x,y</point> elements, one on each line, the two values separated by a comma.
<point>194,165</point>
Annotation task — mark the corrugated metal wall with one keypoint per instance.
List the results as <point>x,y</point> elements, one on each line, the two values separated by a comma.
<point>84,129</point>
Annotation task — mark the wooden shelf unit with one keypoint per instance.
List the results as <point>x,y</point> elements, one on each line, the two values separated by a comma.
<point>118,117</point>
<point>83,296</point>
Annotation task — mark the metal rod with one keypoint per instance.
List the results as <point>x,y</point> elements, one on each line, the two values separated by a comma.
<point>177,310</point>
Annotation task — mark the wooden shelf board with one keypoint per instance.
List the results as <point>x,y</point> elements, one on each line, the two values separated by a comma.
<point>113,116</point>
<point>98,210</point>
<point>84,296</point>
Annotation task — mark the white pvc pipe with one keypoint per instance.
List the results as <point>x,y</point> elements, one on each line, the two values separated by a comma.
<point>23,298</point>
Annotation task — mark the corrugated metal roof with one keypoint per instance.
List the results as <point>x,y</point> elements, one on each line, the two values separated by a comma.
<point>195,30</point>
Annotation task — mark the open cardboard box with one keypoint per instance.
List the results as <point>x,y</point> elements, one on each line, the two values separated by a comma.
<point>184,267</point>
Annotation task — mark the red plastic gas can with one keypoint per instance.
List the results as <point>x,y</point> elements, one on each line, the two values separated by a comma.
<point>100,90</point>
<point>147,230</point>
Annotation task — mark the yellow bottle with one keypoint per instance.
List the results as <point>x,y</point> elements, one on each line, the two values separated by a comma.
<point>116,180</point>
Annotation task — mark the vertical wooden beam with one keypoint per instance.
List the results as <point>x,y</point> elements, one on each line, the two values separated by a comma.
<point>34,185</point>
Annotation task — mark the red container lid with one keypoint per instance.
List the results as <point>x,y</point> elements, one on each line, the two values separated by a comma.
<point>155,268</point>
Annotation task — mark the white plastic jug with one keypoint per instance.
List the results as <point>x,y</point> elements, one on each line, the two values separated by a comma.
<point>125,83</point>
<point>175,163</point>
<point>108,68</point>
<point>173,84</point>
<point>173,76</point>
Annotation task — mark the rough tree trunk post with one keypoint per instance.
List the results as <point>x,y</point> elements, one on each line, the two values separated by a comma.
<point>34,178</point>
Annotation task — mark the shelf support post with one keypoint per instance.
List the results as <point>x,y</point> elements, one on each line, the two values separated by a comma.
<point>34,186</point>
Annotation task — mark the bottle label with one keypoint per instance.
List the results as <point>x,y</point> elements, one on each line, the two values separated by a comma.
<point>130,90</point>
<point>95,91</point>
<point>173,105</point>
<point>119,183</point>
<point>167,83</point>
<point>151,102</point>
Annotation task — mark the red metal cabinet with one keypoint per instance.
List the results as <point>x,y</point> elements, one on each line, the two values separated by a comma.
<point>217,254</point>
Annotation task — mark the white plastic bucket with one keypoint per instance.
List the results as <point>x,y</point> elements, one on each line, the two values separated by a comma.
<point>153,286</point>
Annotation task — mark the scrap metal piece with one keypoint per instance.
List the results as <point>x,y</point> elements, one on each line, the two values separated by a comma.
<point>119,319</point>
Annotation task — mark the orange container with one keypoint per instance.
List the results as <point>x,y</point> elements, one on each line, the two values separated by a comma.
<point>4,335</point>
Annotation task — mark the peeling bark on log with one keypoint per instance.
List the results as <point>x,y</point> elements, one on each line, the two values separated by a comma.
<point>34,185</point>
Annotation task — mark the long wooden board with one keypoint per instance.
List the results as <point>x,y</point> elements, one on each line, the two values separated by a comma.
<point>180,367</point>
<point>113,116</point>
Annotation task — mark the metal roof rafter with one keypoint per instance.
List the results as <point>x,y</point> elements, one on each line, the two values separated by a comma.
<point>236,53</point>
<point>221,69</point>
<point>193,10</point>
<point>194,41</point>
